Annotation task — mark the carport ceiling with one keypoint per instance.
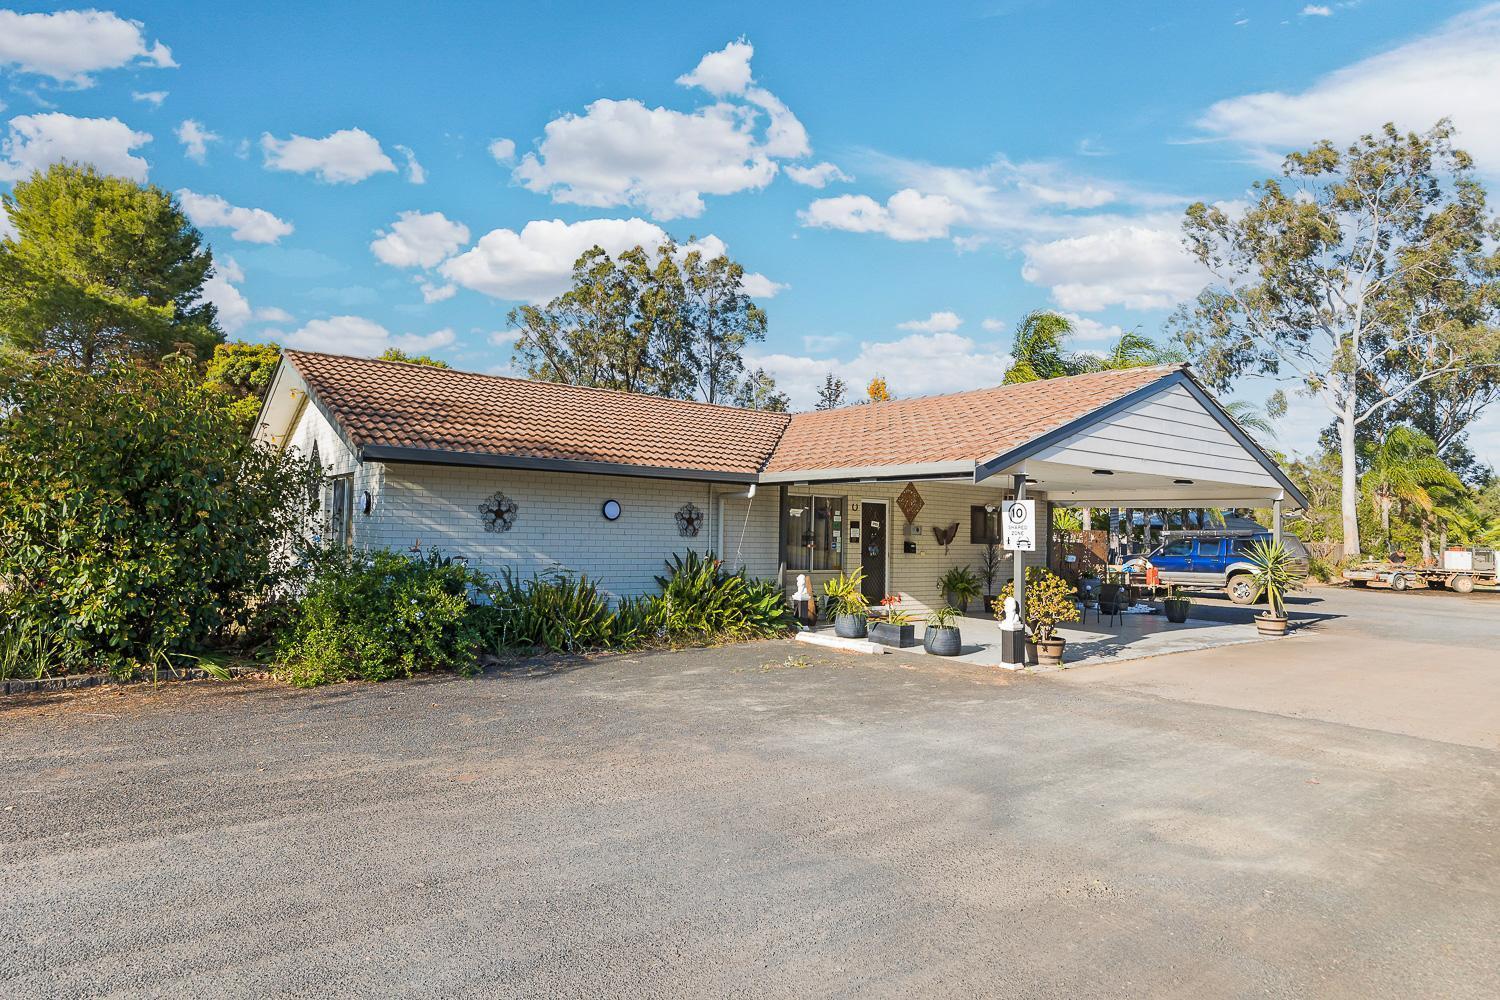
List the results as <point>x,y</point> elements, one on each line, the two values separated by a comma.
<point>1072,485</point>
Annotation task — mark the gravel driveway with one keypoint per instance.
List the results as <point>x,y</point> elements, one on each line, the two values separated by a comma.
<point>732,822</point>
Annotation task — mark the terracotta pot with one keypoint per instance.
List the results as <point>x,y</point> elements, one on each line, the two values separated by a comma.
<point>1049,652</point>
<point>1270,624</point>
<point>850,626</point>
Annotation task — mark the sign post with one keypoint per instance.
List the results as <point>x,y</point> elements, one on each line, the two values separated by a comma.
<point>1018,533</point>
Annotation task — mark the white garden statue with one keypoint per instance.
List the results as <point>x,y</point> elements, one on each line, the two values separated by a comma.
<point>802,594</point>
<point>1012,620</point>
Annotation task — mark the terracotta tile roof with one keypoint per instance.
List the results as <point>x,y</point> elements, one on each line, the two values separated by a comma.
<point>418,406</point>
<point>961,426</point>
<point>394,404</point>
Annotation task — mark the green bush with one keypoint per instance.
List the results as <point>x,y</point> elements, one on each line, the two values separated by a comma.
<point>136,518</point>
<point>378,615</point>
<point>700,601</point>
<point>554,611</point>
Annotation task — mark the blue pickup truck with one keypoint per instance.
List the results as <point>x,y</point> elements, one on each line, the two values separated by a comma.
<point>1214,559</point>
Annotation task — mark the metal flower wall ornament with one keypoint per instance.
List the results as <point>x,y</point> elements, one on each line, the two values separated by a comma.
<point>498,512</point>
<point>689,520</point>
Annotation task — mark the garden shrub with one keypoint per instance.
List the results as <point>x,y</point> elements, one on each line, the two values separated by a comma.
<point>699,600</point>
<point>136,518</point>
<point>378,615</point>
<point>554,610</point>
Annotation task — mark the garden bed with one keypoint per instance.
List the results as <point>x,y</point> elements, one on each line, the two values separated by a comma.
<point>31,685</point>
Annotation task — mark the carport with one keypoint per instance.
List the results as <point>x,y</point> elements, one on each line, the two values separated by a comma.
<point>1141,438</point>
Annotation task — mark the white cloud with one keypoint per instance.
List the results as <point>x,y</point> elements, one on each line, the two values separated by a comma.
<point>233,308</point>
<point>7,228</point>
<point>195,139</point>
<point>415,172</point>
<point>758,286</point>
<point>71,44</point>
<point>360,336</point>
<point>36,141</point>
<point>817,176</point>
<point>1454,71</point>
<point>945,321</point>
<point>535,264</point>
<point>915,365</point>
<point>723,73</point>
<point>272,314</point>
<point>1085,328</point>
<point>1317,10</point>
<point>151,97</point>
<point>248,225</point>
<point>419,239</point>
<point>503,150</point>
<point>343,157</point>
<point>1136,265</point>
<point>621,152</point>
<point>993,325</point>
<point>437,293</point>
<point>907,215</point>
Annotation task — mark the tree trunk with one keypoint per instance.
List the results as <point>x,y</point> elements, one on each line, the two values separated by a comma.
<point>1349,481</point>
<point>1426,542</point>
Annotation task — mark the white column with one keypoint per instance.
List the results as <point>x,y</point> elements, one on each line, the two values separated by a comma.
<point>1019,572</point>
<point>1276,520</point>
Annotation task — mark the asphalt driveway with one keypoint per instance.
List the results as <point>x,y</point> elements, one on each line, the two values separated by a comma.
<point>735,823</point>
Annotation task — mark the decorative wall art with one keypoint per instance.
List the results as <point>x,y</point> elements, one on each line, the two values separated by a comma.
<point>498,512</point>
<point>910,502</point>
<point>689,520</point>
<point>945,536</point>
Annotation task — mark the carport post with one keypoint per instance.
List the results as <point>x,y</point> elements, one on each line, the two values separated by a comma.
<point>1276,520</point>
<point>1019,573</point>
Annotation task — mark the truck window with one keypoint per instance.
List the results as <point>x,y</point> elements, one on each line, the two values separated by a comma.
<point>1210,546</point>
<point>1178,547</point>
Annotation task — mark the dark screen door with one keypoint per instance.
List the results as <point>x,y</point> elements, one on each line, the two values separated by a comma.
<point>872,549</point>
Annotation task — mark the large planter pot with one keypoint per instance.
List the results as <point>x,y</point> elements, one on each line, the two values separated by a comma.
<point>899,636</point>
<point>957,603</point>
<point>1177,611</point>
<point>1267,624</point>
<point>850,626</point>
<point>1049,652</point>
<point>942,641</point>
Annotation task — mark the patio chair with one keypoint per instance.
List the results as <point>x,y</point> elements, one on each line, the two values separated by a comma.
<point>1113,600</point>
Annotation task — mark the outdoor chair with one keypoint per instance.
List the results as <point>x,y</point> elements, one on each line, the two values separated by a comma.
<point>1112,602</point>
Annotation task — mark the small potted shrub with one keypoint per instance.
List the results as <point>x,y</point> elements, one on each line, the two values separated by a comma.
<point>1050,601</point>
<point>850,608</point>
<point>1273,576</point>
<point>941,636</point>
<point>959,586</point>
<point>990,564</point>
<point>896,628</point>
<point>1176,605</point>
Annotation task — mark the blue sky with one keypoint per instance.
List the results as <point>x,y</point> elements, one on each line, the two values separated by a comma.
<point>905,181</point>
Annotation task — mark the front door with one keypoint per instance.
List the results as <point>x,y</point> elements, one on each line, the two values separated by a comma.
<point>872,549</point>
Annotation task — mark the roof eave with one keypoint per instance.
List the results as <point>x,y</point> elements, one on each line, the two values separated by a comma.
<point>485,460</point>
<point>910,470</point>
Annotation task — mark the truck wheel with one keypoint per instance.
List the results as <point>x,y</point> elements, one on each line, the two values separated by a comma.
<point>1241,589</point>
<point>1461,584</point>
<point>1399,581</point>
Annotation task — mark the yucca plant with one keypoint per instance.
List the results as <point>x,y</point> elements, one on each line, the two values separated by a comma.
<point>1272,574</point>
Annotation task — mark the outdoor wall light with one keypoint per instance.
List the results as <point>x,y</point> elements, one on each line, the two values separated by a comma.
<point>1103,472</point>
<point>611,510</point>
<point>369,504</point>
<point>1182,482</point>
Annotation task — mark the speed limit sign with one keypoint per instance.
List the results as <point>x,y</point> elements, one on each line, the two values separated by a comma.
<point>1019,531</point>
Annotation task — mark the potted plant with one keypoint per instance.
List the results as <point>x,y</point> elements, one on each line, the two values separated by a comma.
<point>959,586</point>
<point>1050,601</point>
<point>990,563</point>
<point>895,628</point>
<point>1273,576</point>
<point>941,636</point>
<point>846,596</point>
<point>1176,605</point>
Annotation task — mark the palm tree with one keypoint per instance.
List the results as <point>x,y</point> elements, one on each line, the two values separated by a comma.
<point>1249,416</point>
<point>1404,468</point>
<point>1038,350</point>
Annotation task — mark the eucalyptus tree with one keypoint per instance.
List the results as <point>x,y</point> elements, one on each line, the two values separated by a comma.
<point>1357,278</point>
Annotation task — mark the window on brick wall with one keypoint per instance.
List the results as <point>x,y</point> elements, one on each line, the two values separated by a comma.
<point>984,525</point>
<point>814,531</point>
<point>340,510</point>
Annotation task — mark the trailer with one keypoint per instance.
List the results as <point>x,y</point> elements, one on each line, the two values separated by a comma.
<point>1461,571</point>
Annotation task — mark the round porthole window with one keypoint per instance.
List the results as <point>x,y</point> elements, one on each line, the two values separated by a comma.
<point>611,510</point>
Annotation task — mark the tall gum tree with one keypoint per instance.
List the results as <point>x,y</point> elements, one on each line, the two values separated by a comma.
<point>1356,278</point>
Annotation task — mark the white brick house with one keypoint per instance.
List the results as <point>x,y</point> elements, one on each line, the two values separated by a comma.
<point>416,455</point>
